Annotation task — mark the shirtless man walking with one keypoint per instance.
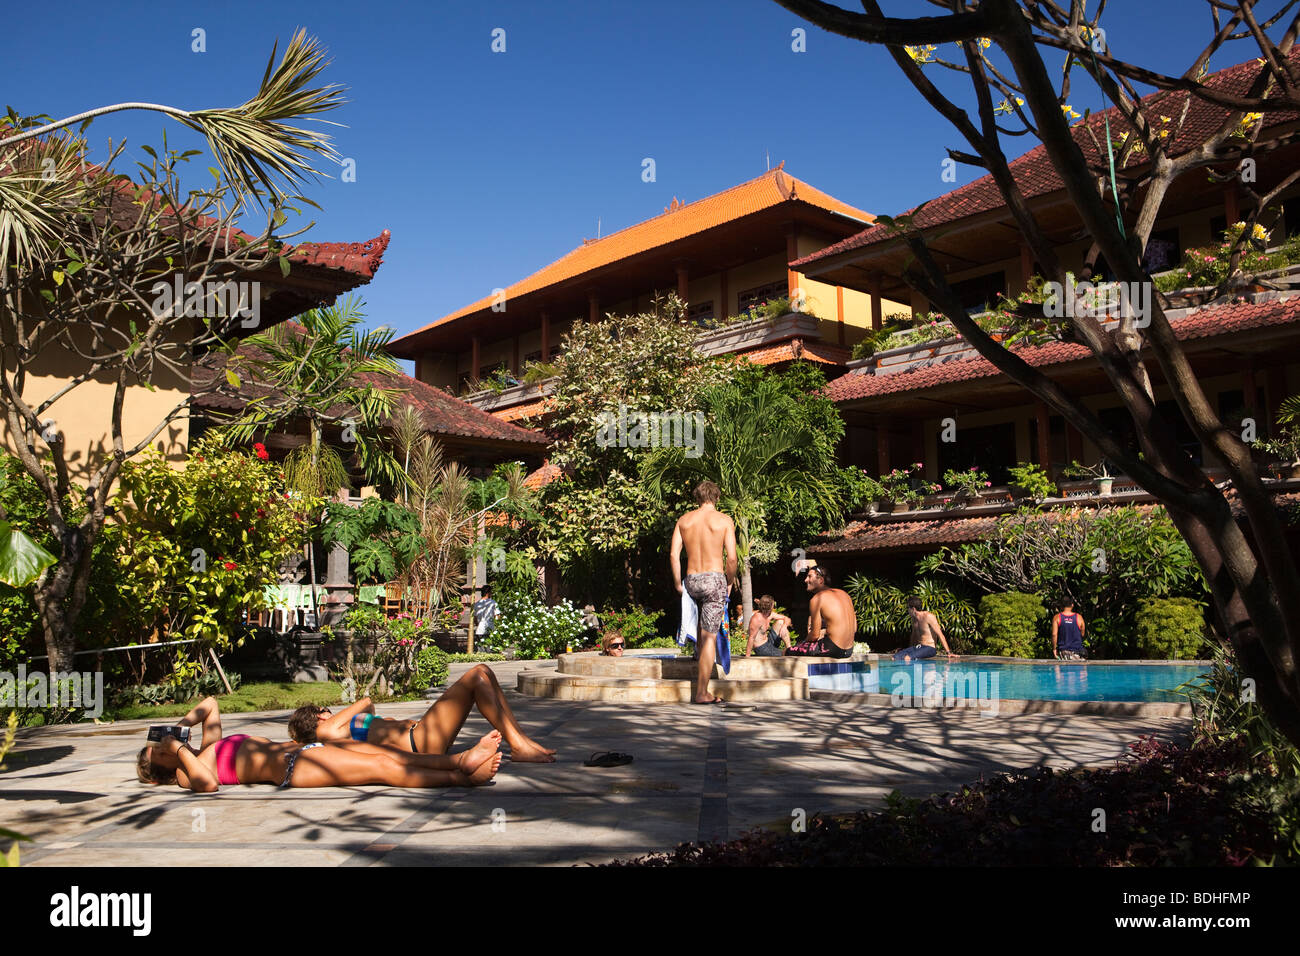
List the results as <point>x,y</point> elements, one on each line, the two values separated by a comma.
<point>705,533</point>
<point>925,628</point>
<point>830,613</point>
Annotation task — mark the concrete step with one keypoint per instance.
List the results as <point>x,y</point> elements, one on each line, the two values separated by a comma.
<point>649,690</point>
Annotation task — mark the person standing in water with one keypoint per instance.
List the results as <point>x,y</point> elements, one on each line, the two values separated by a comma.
<point>1067,633</point>
<point>706,534</point>
<point>925,628</point>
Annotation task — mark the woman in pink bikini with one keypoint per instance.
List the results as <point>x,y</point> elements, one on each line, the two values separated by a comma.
<point>241,758</point>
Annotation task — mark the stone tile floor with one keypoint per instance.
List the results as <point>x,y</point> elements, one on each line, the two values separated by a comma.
<point>700,773</point>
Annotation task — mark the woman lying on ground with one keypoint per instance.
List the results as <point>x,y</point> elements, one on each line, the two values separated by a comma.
<point>768,630</point>
<point>241,758</point>
<point>431,734</point>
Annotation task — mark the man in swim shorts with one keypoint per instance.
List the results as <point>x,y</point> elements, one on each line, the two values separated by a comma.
<point>925,628</point>
<point>1068,628</point>
<point>706,533</point>
<point>832,622</point>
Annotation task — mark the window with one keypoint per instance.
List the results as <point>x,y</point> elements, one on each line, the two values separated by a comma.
<point>1163,251</point>
<point>981,293</point>
<point>701,313</point>
<point>991,449</point>
<point>760,294</point>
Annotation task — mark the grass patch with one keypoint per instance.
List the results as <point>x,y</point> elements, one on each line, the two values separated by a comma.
<point>248,698</point>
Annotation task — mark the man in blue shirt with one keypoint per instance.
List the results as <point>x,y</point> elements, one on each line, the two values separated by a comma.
<point>1067,633</point>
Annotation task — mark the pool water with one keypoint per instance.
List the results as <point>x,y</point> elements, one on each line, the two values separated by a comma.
<point>1009,681</point>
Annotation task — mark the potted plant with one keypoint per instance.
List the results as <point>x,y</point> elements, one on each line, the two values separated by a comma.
<point>1031,483</point>
<point>967,485</point>
<point>1098,472</point>
<point>896,487</point>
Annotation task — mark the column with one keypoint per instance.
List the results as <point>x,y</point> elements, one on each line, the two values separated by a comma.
<point>1044,437</point>
<point>514,363</point>
<point>593,305</point>
<point>723,311</point>
<point>877,306</point>
<point>546,337</point>
<point>473,357</point>
<point>882,450</point>
<point>839,311</point>
<point>1231,207</point>
<point>1026,265</point>
<point>791,254</point>
<point>683,281</point>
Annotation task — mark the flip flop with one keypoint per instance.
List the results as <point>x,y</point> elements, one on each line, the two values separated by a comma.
<point>608,758</point>
<point>716,700</point>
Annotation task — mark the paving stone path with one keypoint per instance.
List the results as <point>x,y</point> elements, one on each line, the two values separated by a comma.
<point>700,773</point>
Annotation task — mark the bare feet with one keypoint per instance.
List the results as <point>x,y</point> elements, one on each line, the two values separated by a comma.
<point>485,772</point>
<point>530,751</point>
<point>469,760</point>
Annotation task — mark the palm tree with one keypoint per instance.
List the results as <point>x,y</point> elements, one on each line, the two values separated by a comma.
<point>747,445</point>
<point>322,374</point>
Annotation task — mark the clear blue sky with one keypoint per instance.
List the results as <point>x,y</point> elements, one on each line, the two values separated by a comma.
<point>487,166</point>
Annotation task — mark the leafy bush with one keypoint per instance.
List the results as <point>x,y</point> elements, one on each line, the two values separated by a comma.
<point>431,667</point>
<point>382,537</point>
<point>536,630</point>
<point>1224,710</point>
<point>1170,628</point>
<point>198,545</point>
<point>1106,560</point>
<point>1009,624</point>
<point>1032,480</point>
<point>199,686</point>
<point>474,658</point>
<point>636,624</point>
<point>662,642</point>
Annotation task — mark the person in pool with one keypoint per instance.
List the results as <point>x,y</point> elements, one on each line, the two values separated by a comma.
<point>433,733</point>
<point>925,628</point>
<point>768,630</point>
<point>1068,628</point>
<point>241,758</point>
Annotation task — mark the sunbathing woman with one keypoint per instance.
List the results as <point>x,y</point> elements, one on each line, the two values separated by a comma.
<point>431,734</point>
<point>244,759</point>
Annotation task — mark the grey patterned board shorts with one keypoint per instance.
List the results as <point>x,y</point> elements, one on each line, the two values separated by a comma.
<point>709,591</point>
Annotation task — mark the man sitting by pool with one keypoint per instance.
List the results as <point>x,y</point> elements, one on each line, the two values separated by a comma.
<point>832,622</point>
<point>925,628</point>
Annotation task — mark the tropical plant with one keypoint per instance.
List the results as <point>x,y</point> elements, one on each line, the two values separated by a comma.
<point>880,605</point>
<point>1286,443</point>
<point>636,624</point>
<point>382,537</point>
<point>1225,709</point>
<point>83,252</point>
<point>317,375</point>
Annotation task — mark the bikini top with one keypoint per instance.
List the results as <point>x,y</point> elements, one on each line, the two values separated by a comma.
<point>227,748</point>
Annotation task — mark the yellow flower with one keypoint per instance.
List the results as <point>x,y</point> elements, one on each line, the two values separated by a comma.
<point>1259,232</point>
<point>1006,107</point>
<point>921,54</point>
<point>1069,112</point>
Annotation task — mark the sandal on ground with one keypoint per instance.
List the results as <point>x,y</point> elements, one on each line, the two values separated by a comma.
<point>608,758</point>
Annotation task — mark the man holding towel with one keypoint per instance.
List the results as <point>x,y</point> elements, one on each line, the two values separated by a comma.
<point>706,533</point>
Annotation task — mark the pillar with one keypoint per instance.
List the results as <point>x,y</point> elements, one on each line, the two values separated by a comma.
<point>1044,437</point>
<point>839,311</point>
<point>474,357</point>
<point>791,254</point>
<point>882,451</point>
<point>546,337</point>
<point>683,281</point>
<point>593,305</point>
<point>877,306</point>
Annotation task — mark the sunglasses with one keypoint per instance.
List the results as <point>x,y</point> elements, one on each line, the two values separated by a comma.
<point>618,646</point>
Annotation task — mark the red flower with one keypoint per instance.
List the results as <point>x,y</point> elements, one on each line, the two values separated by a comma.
<point>261,513</point>
<point>230,565</point>
<point>236,515</point>
<point>261,451</point>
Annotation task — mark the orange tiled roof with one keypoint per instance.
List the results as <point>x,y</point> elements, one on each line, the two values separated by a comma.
<point>799,349</point>
<point>542,476</point>
<point>528,410</point>
<point>686,219</point>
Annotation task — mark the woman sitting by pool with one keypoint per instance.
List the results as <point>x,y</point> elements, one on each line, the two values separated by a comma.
<point>431,734</point>
<point>241,758</point>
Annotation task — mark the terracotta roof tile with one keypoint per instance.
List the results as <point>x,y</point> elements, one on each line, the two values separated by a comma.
<point>542,476</point>
<point>443,414</point>
<point>1036,176</point>
<point>1203,323</point>
<point>790,351</point>
<point>687,219</point>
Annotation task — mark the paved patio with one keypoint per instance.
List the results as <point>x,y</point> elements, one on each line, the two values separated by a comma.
<point>701,773</point>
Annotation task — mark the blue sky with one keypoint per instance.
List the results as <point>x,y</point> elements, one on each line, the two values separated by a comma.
<point>486,166</point>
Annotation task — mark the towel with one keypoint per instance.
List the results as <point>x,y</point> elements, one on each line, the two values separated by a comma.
<point>690,629</point>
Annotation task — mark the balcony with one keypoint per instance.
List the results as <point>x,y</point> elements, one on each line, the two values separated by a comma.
<point>738,337</point>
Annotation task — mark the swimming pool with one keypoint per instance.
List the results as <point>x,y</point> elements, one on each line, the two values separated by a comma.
<point>994,680</point>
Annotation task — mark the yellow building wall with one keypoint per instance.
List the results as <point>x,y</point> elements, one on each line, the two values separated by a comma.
<point>83,416</point>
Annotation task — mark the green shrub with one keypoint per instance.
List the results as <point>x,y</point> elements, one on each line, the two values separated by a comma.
<point>1009,624</point>
<point>663,642</point>
<point>1170,628</point>
<point>536,631</point>
<point>430,667</point>
<point>1224,709</point>
<point>636,624</point>
<point>474,658</point>
<point>1032,480</point>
